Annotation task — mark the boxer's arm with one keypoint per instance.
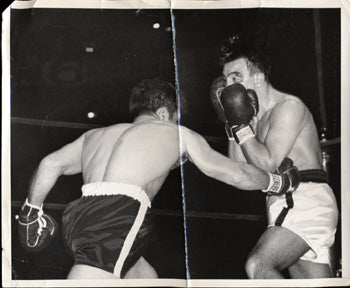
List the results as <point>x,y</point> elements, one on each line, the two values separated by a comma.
<point>235,151</point>
<point>216,165</point>
<point>286,122</point>
<point>65,161</point>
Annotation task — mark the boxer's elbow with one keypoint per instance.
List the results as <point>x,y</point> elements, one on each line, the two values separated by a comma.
<point>262,158</point>
<point>272,164</point>
<point>51,164</point>
<point>267,163</point>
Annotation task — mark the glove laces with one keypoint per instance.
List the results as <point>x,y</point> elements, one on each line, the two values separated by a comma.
<point>41,221</point>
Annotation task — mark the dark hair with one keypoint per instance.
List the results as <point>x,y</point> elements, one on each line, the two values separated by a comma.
<point>234,48</point>
<point>151,94</point>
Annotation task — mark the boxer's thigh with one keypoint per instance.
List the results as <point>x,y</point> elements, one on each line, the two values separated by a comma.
<point>279,248</point>
<point>141,270</point>
<point>307,269</point>
<point>80,271</point>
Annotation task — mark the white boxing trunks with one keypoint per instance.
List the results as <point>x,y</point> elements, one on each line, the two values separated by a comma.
<point>313,216</point>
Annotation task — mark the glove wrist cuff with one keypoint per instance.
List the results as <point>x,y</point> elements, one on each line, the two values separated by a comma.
<point>243,134</point>
<point>26,203</point>
<point>239,133</point>
<point>275,184</point>
<point>230,131</point>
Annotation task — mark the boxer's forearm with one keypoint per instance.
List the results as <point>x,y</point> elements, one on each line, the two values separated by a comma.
<point>258,154</point>
<point>235,152</point>
<point>246,177</point>
<point>43,180</point>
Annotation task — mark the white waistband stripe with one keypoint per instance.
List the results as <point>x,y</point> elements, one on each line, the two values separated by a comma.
<point>113,188</point>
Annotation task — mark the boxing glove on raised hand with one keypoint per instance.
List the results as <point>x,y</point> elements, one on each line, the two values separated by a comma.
<point>240,106</point>
<point>216,89</point>
<point>285,179</point>
<point>36,229</point>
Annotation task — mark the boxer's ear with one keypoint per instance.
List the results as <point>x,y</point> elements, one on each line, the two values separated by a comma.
<point>163,113</point>
<point>259,79</point>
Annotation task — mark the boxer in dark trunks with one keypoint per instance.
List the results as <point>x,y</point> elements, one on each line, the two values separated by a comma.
<point>123,167</point>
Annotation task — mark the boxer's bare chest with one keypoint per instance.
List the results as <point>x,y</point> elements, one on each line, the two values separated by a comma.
<point>305,151</point>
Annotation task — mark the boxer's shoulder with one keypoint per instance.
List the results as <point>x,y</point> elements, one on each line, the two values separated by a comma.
<point>101,135</point>
<point>288,105</point>
<point>287,109</point>
<point>160,127</point>
<point>108,129</point>
<point>292,99</point>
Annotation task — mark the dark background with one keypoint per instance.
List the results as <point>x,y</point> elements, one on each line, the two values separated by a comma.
<point>56,78</point>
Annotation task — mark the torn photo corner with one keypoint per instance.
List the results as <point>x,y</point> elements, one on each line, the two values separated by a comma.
<point>76,78</point>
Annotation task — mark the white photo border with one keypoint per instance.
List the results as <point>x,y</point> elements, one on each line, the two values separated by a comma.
<point>344,5</point>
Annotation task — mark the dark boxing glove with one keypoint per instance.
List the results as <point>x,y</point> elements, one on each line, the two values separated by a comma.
<point>36,229</point>
<point>240,106</point>
<point>285,179</point>
<point>216,89</point>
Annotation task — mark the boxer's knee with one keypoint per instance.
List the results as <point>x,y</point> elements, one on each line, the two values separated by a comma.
<point>257,267</point>
<point>252,266</point>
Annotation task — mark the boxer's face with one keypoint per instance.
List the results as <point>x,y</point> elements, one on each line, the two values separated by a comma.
<point>237,71</point>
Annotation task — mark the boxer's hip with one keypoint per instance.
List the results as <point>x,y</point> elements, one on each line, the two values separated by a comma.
<point>313,216</point>
<point>101,227</point>
<point>113,189</point>
<point>101,200</point>
<point>313,175</point>
<point>311,202</point>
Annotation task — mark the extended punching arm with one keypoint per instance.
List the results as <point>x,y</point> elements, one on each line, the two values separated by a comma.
<point>238,174</point>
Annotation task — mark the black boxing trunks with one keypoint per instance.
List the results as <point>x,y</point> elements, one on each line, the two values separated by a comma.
<point>108,227</point>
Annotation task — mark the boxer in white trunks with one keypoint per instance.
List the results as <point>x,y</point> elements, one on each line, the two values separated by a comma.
<point>123,167</point>
<point>265,126</point>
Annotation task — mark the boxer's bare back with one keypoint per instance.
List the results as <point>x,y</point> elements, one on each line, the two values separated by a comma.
<point>141,154</point>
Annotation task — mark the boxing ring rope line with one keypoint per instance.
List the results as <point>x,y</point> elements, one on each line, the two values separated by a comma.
<point>51,123</point>
<point>84,126</point>
<point>168,212</point>
<point>87,126</point>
